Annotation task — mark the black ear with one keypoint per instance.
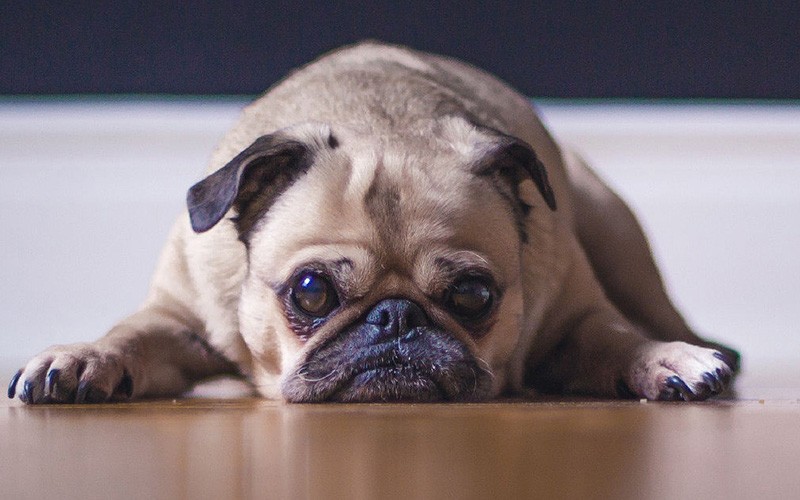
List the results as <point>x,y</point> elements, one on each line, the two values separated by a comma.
<point>520,153</point>
<point>515,159</point>
<point>269,157</point>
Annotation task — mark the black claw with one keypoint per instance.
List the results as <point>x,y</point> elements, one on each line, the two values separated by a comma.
<point>27,392</point>
<point>713,382</point>
<point>720,356</point>
<point>680,386</point>
<point>51,379</point>
<point>83,388</point>
<point>730,358</point>
<point>55,391</point>
<point>12,386</point>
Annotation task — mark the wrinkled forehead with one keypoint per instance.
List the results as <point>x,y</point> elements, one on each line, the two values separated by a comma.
<point>393,202</point>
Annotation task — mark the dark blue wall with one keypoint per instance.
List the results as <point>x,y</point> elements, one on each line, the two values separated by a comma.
<point>546,49</point>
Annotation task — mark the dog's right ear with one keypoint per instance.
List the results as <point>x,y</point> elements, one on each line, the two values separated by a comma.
<point>252,181</point>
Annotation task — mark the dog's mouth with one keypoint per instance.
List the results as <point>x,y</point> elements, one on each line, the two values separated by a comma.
<point>432,367</point>
<point>394,383</point>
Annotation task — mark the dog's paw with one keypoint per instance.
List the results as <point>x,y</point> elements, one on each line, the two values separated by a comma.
<point>676,371</point>
<point>77,373</point>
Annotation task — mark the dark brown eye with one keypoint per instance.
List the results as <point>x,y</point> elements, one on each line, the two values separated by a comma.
<point>469,298</point>
<point>314,295</point>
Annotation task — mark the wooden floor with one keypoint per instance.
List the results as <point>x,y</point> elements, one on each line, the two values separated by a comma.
<point>251,448</point>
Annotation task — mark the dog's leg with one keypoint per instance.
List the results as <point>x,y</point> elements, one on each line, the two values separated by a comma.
<point>623,263</point>
<point>605,356</point>
<point>597,351</point>
<point>154,352</point>
<point>158,351</point>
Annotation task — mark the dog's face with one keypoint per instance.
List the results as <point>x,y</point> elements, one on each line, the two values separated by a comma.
<point>379,269</point>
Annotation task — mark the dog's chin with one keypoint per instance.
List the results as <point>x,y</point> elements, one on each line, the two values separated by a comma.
<point>402,383</point>
<point>433,366</point>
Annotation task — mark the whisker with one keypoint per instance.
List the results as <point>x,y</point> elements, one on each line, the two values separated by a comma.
<point>301,374</point>
<point>485,367</point>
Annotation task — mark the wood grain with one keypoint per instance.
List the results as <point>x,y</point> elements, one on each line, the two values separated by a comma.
<point>250,448</point>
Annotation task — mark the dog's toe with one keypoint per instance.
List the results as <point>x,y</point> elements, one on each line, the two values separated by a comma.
<point>32,380</point>
<point>78,373</point>
<point>675,389</point>
<point>729,356</point>
<point>677,371</point>
<point>60,385</point>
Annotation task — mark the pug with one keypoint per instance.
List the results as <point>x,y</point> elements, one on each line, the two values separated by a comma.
<point>385,225</point>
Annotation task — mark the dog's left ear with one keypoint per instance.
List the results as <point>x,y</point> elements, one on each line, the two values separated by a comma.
<point>256,177</point>
<point>515,160</point>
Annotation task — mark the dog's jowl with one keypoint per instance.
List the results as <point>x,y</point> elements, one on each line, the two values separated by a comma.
<point>388,225</point>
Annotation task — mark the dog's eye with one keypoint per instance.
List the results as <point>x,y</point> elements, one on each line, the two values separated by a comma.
<point>314,295</point>
<point>469,298</point>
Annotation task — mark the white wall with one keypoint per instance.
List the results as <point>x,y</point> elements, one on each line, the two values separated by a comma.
<point>88,191</point>
<point>717,188</point>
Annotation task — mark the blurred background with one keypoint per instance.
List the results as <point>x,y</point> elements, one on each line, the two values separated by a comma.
<point>569,49</point>
<point>109,111</point>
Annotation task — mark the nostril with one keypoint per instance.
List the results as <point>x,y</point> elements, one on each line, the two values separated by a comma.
<point>396,317</point>
<point>415,316</point>
<point>379,316</point>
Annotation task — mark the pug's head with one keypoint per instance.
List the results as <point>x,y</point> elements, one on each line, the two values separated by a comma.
<point>379,268</point>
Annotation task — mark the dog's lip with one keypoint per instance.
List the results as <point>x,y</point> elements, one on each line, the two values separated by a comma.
<point>379,365</point>
<point>439,369</point>
<point>391,361</point>
<point>398,370</point>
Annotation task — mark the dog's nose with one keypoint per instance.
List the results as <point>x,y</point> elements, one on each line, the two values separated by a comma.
<point>396,318</point>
